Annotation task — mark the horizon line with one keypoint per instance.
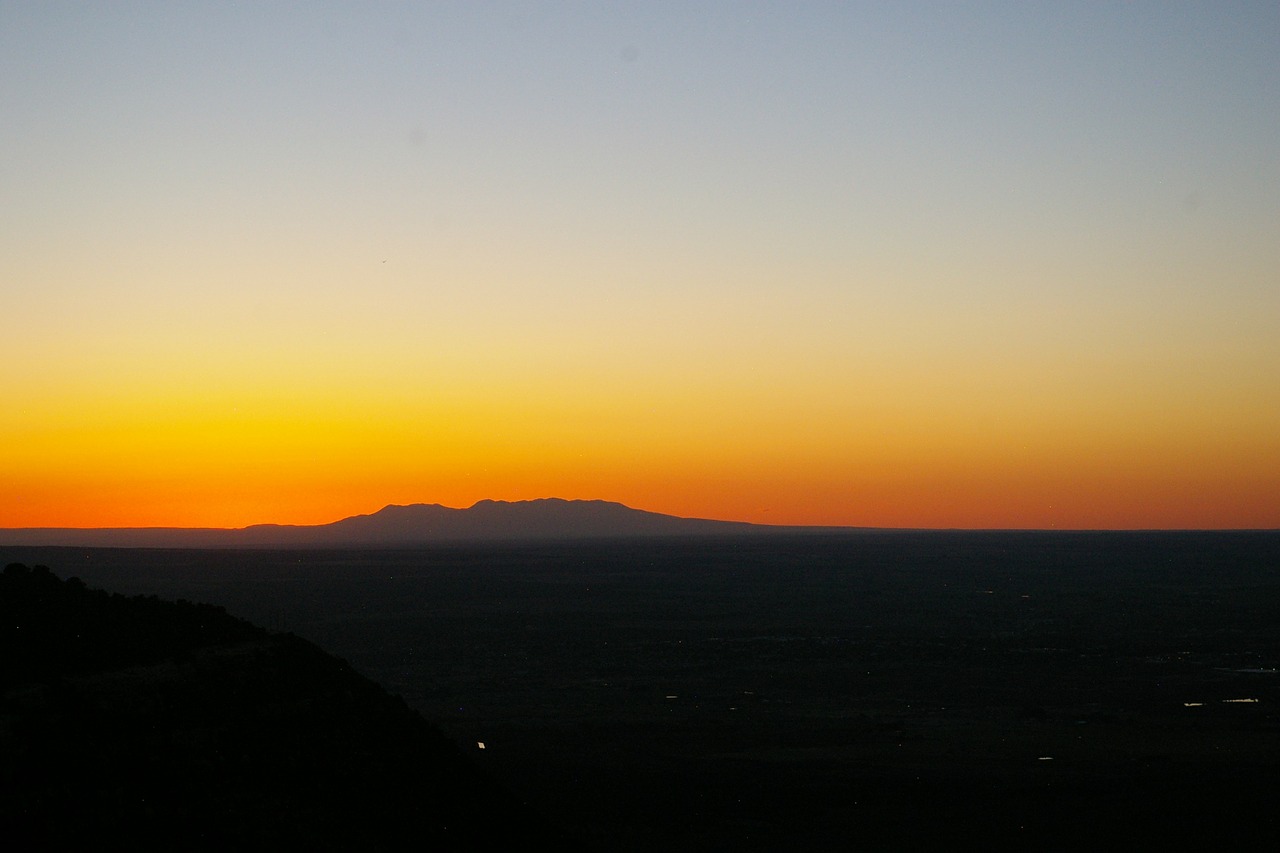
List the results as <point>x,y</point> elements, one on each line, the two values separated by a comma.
<point>764,526</point>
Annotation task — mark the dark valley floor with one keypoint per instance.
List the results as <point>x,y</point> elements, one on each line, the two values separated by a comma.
<point>876,690</point>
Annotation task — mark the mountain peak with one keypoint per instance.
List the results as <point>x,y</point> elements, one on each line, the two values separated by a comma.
<point>489,519</point>
<point>543,502</point>
<point>413,525</point>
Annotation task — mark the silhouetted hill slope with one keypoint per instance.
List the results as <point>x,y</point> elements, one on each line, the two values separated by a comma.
<point>141,724</point>
<point>417,524</point>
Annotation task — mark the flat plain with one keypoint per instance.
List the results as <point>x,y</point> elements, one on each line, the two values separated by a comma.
<point>879,690</point>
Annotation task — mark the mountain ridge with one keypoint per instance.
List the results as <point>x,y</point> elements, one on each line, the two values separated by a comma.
<point>144,724</point>
<point>408,525</point>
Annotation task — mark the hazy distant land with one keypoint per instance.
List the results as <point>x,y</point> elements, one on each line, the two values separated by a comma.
<point>416,524</point>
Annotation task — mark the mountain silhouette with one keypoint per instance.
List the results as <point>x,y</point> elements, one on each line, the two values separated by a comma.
<point>143,724</point>
<point>548,518</point>
<point>416,524</point>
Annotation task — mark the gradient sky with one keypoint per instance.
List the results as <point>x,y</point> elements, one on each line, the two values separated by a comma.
<point>896,264</point>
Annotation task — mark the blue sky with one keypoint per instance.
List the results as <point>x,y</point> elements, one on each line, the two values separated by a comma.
<point>928,232</point>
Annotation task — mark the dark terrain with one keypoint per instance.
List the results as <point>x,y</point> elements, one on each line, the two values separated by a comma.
<point>876,690</point>
<point>140,724</point>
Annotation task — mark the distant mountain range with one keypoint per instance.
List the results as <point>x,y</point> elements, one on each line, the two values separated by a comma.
<point>407,526</point>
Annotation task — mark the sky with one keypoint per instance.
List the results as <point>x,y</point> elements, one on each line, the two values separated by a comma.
<point>972,265</point>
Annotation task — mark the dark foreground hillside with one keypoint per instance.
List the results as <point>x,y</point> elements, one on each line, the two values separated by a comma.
<point>872,691</point>
<point>135,723</point>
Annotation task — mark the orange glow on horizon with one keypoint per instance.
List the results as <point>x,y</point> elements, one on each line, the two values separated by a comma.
<point>783,454</point>
<point>329,483</point>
